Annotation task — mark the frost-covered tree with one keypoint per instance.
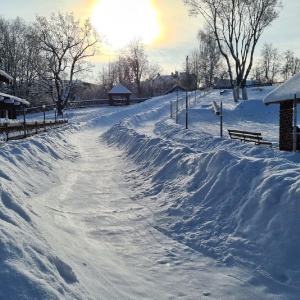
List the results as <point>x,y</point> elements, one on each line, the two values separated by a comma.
<point>269,62</point>
<point>137,61</point>
<point>290,64</point>
<point>19,57</point>
<point>237,26</point>
<point>209,57</point>
<point>65,43</point>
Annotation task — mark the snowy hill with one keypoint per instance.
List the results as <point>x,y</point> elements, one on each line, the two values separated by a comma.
<point>123,203</point>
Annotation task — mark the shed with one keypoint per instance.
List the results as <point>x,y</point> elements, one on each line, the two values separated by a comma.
<point>287,95</point>
<point>4,77</point>
<point>119,95</point>
<point>9,103</point>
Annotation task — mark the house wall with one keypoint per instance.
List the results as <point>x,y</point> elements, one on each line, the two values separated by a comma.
<point>10,108</point>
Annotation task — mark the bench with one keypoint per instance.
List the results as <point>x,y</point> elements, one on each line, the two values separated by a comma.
<point>247,136</point>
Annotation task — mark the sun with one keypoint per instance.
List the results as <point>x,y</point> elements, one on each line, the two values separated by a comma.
<point>122,21</point>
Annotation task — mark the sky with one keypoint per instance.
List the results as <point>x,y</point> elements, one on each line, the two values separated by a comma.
<point>123,203</point>
<point>168,18</point>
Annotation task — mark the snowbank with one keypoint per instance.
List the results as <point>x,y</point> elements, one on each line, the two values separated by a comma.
<point>235,203</point>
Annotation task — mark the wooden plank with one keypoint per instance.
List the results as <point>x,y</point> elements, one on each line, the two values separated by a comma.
<point>244,132</point>
<point>247,136</point>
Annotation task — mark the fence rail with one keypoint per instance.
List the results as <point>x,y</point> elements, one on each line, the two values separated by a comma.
<point>19,130</point>
<point>96,102</point>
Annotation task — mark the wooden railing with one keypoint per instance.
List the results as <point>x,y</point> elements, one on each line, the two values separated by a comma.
<point>19,130</point>
<point>96,102</point>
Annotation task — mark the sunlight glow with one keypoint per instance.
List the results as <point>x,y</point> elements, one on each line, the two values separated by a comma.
<point>122,21</point>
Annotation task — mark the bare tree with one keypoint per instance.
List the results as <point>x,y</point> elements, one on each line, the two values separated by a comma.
<point>137,61</point>
<point>108,77</point>
<point>65,44</point>
<point>291,64</point>
<point>153,70</point>
<point>131,68</point>
<point>209,57</point>
<point>270,62</point>
<point>18,56</point>
<point>123,71</point>
<point>237,26</point>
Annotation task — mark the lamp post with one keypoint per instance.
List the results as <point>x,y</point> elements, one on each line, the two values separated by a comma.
<point>44,107</point>
<point>54,114</point>
<point>24,120</point>
<point>186,95</point>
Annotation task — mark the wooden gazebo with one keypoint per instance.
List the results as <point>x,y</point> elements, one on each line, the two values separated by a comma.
<point>119,95</point>
<point>287,95</point>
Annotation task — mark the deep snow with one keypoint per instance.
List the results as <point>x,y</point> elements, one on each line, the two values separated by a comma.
<point>123,203</point>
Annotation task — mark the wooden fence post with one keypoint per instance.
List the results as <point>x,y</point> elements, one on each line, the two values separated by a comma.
<point>6,125</point>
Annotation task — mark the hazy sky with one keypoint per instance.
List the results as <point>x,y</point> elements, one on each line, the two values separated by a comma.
<point>177,30</point>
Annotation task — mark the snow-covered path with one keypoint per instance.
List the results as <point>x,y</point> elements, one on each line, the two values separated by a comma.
<point>107,246</point>
<point>125,204</point>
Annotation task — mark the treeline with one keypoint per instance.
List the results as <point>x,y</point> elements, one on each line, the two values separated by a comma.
<point>44,57</point>
<point>271,66</point>
<point>47,57</point>
<point>274,66</point>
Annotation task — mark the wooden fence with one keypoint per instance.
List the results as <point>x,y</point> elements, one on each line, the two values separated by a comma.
<point>96,102</point>
<point>19,130</point>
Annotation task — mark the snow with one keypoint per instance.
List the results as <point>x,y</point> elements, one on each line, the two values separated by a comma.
<point>123,203</point>
<point>119,89</point>
<point>4,74</point>
<point>289,90</point>
<point>13,99</point>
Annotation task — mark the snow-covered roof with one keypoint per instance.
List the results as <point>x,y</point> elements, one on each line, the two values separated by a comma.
<point>5,75</point>
<point>14,98</point>
<point>119,89</point>
<point>285,91</point>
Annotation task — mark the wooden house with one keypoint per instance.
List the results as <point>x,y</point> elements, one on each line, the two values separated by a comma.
<point>9,103</point>
<point>119,95</point>
<point>287,95</point>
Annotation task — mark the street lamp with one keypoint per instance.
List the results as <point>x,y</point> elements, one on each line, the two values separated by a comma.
<point>44,107</point>
<point>186,94</point>
<point>54,114</point>
<point>24,119</point>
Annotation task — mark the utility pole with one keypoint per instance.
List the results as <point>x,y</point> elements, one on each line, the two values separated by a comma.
<point>186,95</point>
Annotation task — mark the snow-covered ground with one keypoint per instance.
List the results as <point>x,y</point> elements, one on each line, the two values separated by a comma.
<point>123,203</point>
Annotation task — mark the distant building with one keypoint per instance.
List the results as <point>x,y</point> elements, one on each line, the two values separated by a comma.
<point>175,88</point>
<point>224,83</point>
<point>162,84</point>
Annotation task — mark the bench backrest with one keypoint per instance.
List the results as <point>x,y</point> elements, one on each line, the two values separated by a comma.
<point>239,134</point>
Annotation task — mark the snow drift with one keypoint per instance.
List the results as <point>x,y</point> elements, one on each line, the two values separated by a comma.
<point>235,203</point>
